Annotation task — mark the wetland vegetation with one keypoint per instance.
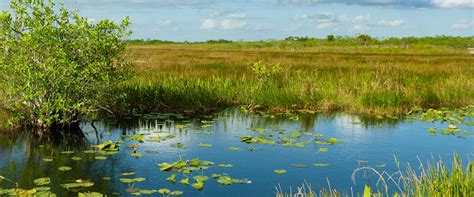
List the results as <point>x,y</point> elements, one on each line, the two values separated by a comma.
<point>88,113</point>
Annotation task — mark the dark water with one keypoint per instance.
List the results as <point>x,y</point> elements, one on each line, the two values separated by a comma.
<point>374,141</point>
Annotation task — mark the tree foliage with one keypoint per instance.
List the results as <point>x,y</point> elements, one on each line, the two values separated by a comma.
<point>56,66</point>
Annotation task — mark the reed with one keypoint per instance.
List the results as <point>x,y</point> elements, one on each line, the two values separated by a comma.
<point>371,80</point>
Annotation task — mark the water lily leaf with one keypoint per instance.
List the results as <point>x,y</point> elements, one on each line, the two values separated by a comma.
<point>198,185</point>
<point>42,181</point>
<point>42,189</point>
<point>225,165</point>
<point>321,164</point>
<point>148,192</point>
<point>76,158</point>
<point>184,181</point>
<point>201,178</point>
<point>90,194</point>
<point>178,145</point>
<point>233,148</point>
<point>176,193</point>
<point>225,180</point>
<point>323,149</point>
<point>164,191</point>
<point>332,140</point>
<point>280,171</point>
<point>106,178</point>
<point>100,158</point>
<point>89,151</point>
<point>139,179</point>
<point>64,168</point>
<point>136,154</point>
<point>76,184</point>
<point>172,178</point>
<point>126,180</point>
<point>299,165</point>
<point>48,159</point>
<point>165,166</point>
<point>67,152</point>
<point>205,145</point>
<point>127,174</point>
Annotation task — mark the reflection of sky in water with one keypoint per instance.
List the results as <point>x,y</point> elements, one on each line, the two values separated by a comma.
<point>376,141</point>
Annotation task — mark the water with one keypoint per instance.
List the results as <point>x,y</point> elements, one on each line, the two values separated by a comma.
<point>365,142</point>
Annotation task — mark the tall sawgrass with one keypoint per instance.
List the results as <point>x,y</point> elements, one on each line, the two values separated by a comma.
<point>431,179</point>
<point>372,90</point>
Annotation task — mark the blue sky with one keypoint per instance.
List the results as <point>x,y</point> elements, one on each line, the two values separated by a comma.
<point>199,20</point>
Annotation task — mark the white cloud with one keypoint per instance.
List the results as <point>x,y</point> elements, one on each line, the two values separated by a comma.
<point>453,3</point>
<point>390,23</point>
<point>230,23</point>
<point>209,24</point>
<point>168,24</point>
<point>361,18</point>
<point>237,15</point>
<point>225,20</point>
<point>464,24</point>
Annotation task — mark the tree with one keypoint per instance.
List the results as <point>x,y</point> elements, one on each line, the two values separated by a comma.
<point>330,38</point>
<point>56,67</point>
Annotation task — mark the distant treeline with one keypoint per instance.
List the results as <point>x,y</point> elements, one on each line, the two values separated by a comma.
<point>331,40</point>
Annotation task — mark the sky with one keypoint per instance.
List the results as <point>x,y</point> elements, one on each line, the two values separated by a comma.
<point>200,20</point>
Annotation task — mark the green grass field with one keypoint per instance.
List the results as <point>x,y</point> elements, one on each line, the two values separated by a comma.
<point>278,75</point>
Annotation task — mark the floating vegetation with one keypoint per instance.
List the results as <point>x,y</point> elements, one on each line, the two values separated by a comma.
<point>299,165</point>
<point>206,132</point>
<point>178,145</point>
<point>42,181</point>
<point>161,138</point>
<point>64,168</point>
<point>280,171</point>
<point>323,149</point>
<point>198,185</point>
<point>171,178</point>
<point>261,140</point>
<point>225,165</point>
<point>205,145</point>
<point>321,164</point>
<point>100,158</point>
<point>132,180</point>
<point>78,184</point>
<point>234,149</point>
<point>76,158</point>
<point>227,180</point>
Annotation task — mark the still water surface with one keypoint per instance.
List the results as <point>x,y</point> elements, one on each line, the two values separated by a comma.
<point>372,142</point>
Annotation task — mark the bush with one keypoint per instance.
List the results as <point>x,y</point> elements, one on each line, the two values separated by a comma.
<point>55,65</point>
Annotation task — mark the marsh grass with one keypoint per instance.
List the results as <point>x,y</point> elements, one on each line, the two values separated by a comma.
<point>370,80</point>
<point>431,179</point>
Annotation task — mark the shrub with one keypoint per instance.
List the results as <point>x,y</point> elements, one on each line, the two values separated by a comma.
<point>55,65</point>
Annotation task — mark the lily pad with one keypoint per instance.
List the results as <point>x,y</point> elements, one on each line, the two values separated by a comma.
<point>164,191</point>
<point>176,193</point>
<point>64,168</point>
<point>172,178</point>
<point>233,149</point>
<point>323,149</point>
<point>280,171</point>
<point>184,181</point>
<point>198,185</point>
<point>100,158</point>
<point>42,181</point>
<point>205,145</point>
<point>76,158</point>
<point>321,164</point>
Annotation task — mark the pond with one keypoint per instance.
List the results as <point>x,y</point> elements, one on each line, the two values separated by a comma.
<point>249,154</point>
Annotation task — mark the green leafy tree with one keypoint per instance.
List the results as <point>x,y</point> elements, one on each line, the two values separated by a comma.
<point>56,67</point>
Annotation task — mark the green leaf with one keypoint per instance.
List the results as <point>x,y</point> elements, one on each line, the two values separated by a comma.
<point>184,181</point>
<point>280,171</point>
<point>64,168</point>
<point>198,185</point>
<point>164,191</point>
<point>42,181</point>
